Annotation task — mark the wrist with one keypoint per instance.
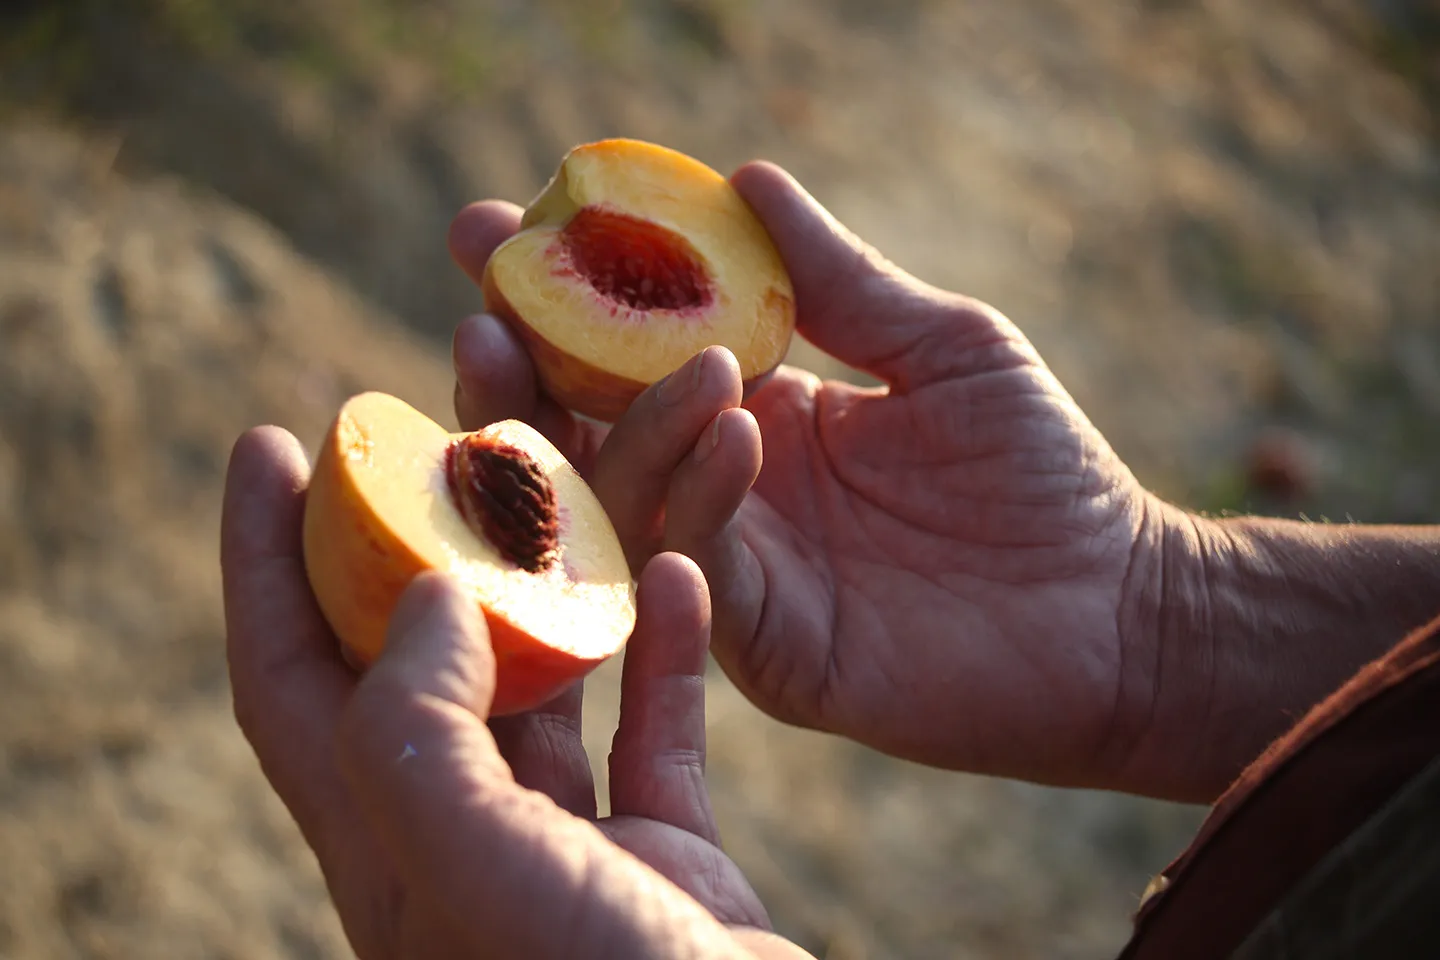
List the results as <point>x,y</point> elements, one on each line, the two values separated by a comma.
<point>1231,629</point>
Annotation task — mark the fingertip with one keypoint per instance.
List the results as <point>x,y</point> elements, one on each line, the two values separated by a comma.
<point>759,180</point>
<point>431,601</point>
<point>265,449</point>
<point>706,493</point>
<point>437,645</point>
<point>735,434</point>
<point>477,230</point>
<point>493,373</point>
<point>670,571</point>
<point>483,340</point>
<point>672,629</point>
<point>722,364</point>
<point>656,436</point>
<point>673,591</point>
<point>710,377</point>
<point>265,480</point>
<point>801,226</point>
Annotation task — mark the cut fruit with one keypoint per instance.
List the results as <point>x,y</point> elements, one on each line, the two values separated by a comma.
<point>632,260</point>
<point>500,510</point>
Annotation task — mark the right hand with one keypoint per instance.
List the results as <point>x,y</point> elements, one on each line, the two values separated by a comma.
<point>937,568</point>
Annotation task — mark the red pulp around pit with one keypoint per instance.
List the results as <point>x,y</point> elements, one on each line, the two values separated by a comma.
<point>638,263</point>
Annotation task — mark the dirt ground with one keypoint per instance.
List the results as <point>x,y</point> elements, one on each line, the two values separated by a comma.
<point>1219,221</point>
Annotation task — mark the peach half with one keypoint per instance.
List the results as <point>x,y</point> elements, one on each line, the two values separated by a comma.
<point>632,260</point>
<point>499,509</point>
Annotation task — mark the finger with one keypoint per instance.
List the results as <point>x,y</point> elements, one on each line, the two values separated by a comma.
<point>425,769</point>
<point>546,752</point>
<point>477,230</point>
<point>288,680</point>
<point>495,380</point>
<point>441,649</point>
<point>658,431</point>
<point>507,378</point>
<point>707,488</point>
<point>860,308</point>
<point>703,522</point>
<point>657,758</point>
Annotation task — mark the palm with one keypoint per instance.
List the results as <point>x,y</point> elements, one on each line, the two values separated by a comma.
<point>925,554</point>
<point>386,918</point>
<point>693,863</point>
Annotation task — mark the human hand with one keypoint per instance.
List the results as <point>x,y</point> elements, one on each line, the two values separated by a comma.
<point>937,568</point>
<point>441,836</point>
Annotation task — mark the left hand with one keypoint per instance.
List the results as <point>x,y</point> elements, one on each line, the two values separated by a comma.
<point>440,835</point>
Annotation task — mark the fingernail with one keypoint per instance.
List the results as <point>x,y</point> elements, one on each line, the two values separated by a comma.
<point>708,443</point>
<point>681,384</point>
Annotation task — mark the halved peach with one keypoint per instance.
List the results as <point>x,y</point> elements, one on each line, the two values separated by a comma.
<point>499,509</point>
<point>632,260</point>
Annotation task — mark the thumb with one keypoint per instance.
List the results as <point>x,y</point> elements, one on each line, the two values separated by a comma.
<point>437,646</point>
<point>511,873</point>
<point>860,308</point>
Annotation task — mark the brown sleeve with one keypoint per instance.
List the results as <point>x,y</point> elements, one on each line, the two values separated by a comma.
<point>1299,801</point>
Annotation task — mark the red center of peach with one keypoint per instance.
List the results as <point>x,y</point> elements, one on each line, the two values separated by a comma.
<point>638,263</point>
<point>505,498</point>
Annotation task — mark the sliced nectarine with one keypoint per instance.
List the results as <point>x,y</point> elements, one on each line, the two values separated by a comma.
<point>500,510</point>
<point>632,260</point>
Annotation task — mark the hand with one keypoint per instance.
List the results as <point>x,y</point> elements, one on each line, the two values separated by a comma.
<point>440,836</point>
<point>937,568</point>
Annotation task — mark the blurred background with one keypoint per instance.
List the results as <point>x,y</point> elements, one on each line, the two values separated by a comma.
<point>1219,221</point>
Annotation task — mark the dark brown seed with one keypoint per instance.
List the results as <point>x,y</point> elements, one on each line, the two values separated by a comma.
<point>506,498</point>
